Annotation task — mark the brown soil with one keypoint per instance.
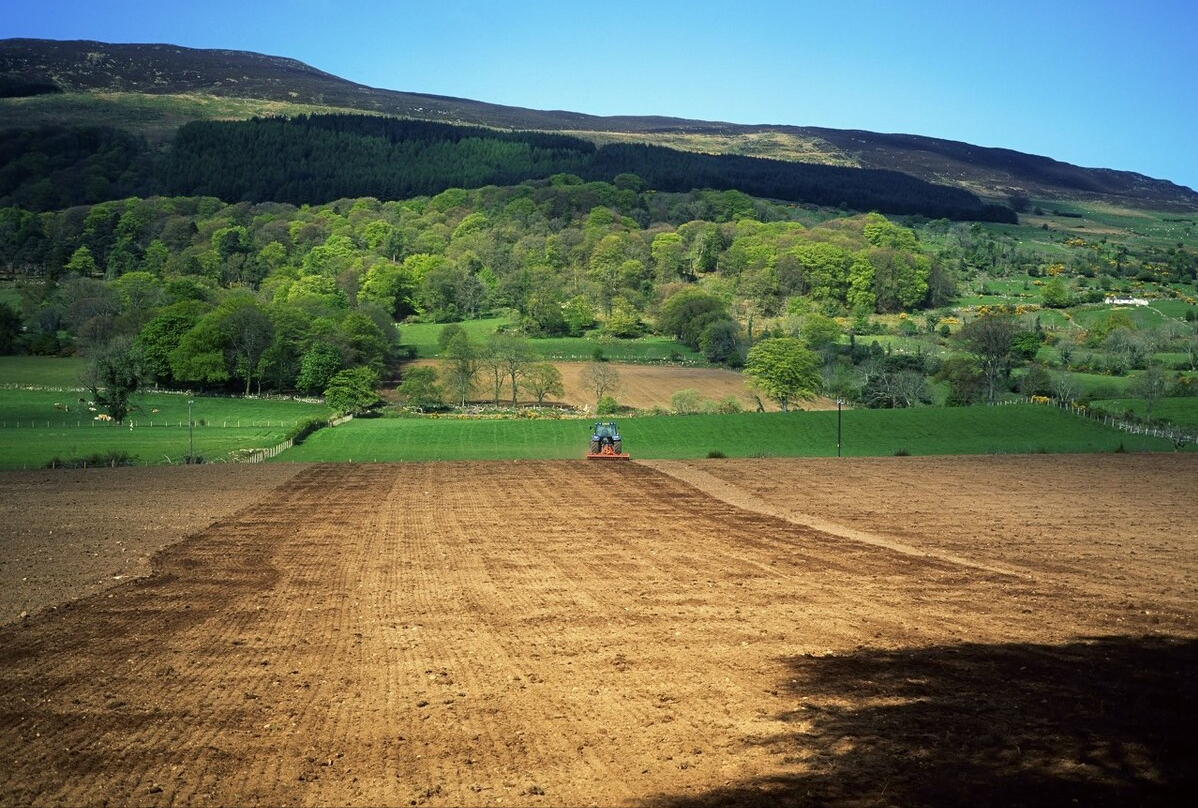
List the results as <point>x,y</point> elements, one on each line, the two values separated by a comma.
<point>644,387</point>
<point>899,631</point>
<point>69,533</point>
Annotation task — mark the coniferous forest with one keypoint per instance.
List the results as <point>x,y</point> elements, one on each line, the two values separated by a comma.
<point>318,158</point>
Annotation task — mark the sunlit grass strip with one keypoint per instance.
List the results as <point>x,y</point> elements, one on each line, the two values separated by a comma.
<point>1014,429</point>
<point>26,448</point>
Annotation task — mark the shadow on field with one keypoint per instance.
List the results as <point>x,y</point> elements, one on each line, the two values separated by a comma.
<point>1100,722</point>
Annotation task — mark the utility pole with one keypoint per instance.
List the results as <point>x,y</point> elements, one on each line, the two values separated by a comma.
<point>839,402</point>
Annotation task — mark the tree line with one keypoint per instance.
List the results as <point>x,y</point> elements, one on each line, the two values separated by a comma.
<point>276,297</point>
<point>261,297</point>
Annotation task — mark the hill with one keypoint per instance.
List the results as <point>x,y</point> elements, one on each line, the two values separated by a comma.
<point>152,88</point>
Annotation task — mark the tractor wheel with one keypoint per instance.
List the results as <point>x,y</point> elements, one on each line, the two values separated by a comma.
<point>617,446</point>
<point>594,447</point>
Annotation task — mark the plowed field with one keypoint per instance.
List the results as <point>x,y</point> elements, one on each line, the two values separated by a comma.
<point>902,631</point>
<point>643,387</point>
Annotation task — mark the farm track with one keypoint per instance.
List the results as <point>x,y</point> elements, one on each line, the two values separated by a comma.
<point>572,633</point>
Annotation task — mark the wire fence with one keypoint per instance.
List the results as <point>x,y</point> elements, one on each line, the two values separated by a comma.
<point>235,456</point>
<point>262,455</point>
<point>1176,434</point>
<point>129,423</point>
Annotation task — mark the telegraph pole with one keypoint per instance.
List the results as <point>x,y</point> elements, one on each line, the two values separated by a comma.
<point>839,402</point>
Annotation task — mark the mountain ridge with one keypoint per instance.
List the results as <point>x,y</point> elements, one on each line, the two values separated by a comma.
<point>92,67</point>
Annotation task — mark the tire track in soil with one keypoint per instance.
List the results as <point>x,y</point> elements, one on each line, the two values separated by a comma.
<point>733,495</point>
<point>458,633</point>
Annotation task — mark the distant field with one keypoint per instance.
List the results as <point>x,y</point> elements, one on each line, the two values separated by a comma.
<point>1014,429</point>
<point>40,371</point>
<point>1097,220</point>
<point>1099,385</point>
<point>1180,412</point>
<point>423,337</point>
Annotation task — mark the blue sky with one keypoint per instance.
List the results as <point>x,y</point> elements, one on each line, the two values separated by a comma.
<point>1091,82</point>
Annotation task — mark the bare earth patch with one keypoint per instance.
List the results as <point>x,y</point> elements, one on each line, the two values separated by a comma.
<point>897,631</point>
<point>69,533</point>
<point>644,387</point>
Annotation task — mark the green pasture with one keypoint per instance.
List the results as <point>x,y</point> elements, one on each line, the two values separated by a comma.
<point>33,430</point>
<point>154,409</point>
<point>1175,309</point>
<point>1097,385</point>
<point>644,349</point>
<point>1133,226</point>
<point>423,337</point>
<point>926,344</point>
<point>1012,429</point>
<point>1054,320</point>
<point>26,448</point>
<point>40,371</point>
<point>1141,317</point>
<point>1179,412</point>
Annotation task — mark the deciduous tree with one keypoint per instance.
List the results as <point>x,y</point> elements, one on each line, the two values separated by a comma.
<point>687,312</point>
<point>541,380</point>
<point>353,391</point>
<point>419,387</point>
<point>721,341</point>
<point>784,369</point>
<point>114,374</point>
<point>989,339</point>
<point>162,335</point>
<point>1152,385</point>
<point>460,365</point>
<point>599,378</point>
<point>320,363</point>
<point>249,333</point>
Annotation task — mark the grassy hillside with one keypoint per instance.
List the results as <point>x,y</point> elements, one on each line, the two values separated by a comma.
<point>154,116</point>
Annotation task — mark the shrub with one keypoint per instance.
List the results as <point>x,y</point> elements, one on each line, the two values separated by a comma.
<point>686,402</point>
<point>305,428</point>
<point>730,405</point>
<point>902,452</point>
<point>96,459</point>
<point>715,454</point>
<point>607,406</point>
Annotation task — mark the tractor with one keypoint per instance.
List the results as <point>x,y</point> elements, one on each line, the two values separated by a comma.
<point>606,443</point>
